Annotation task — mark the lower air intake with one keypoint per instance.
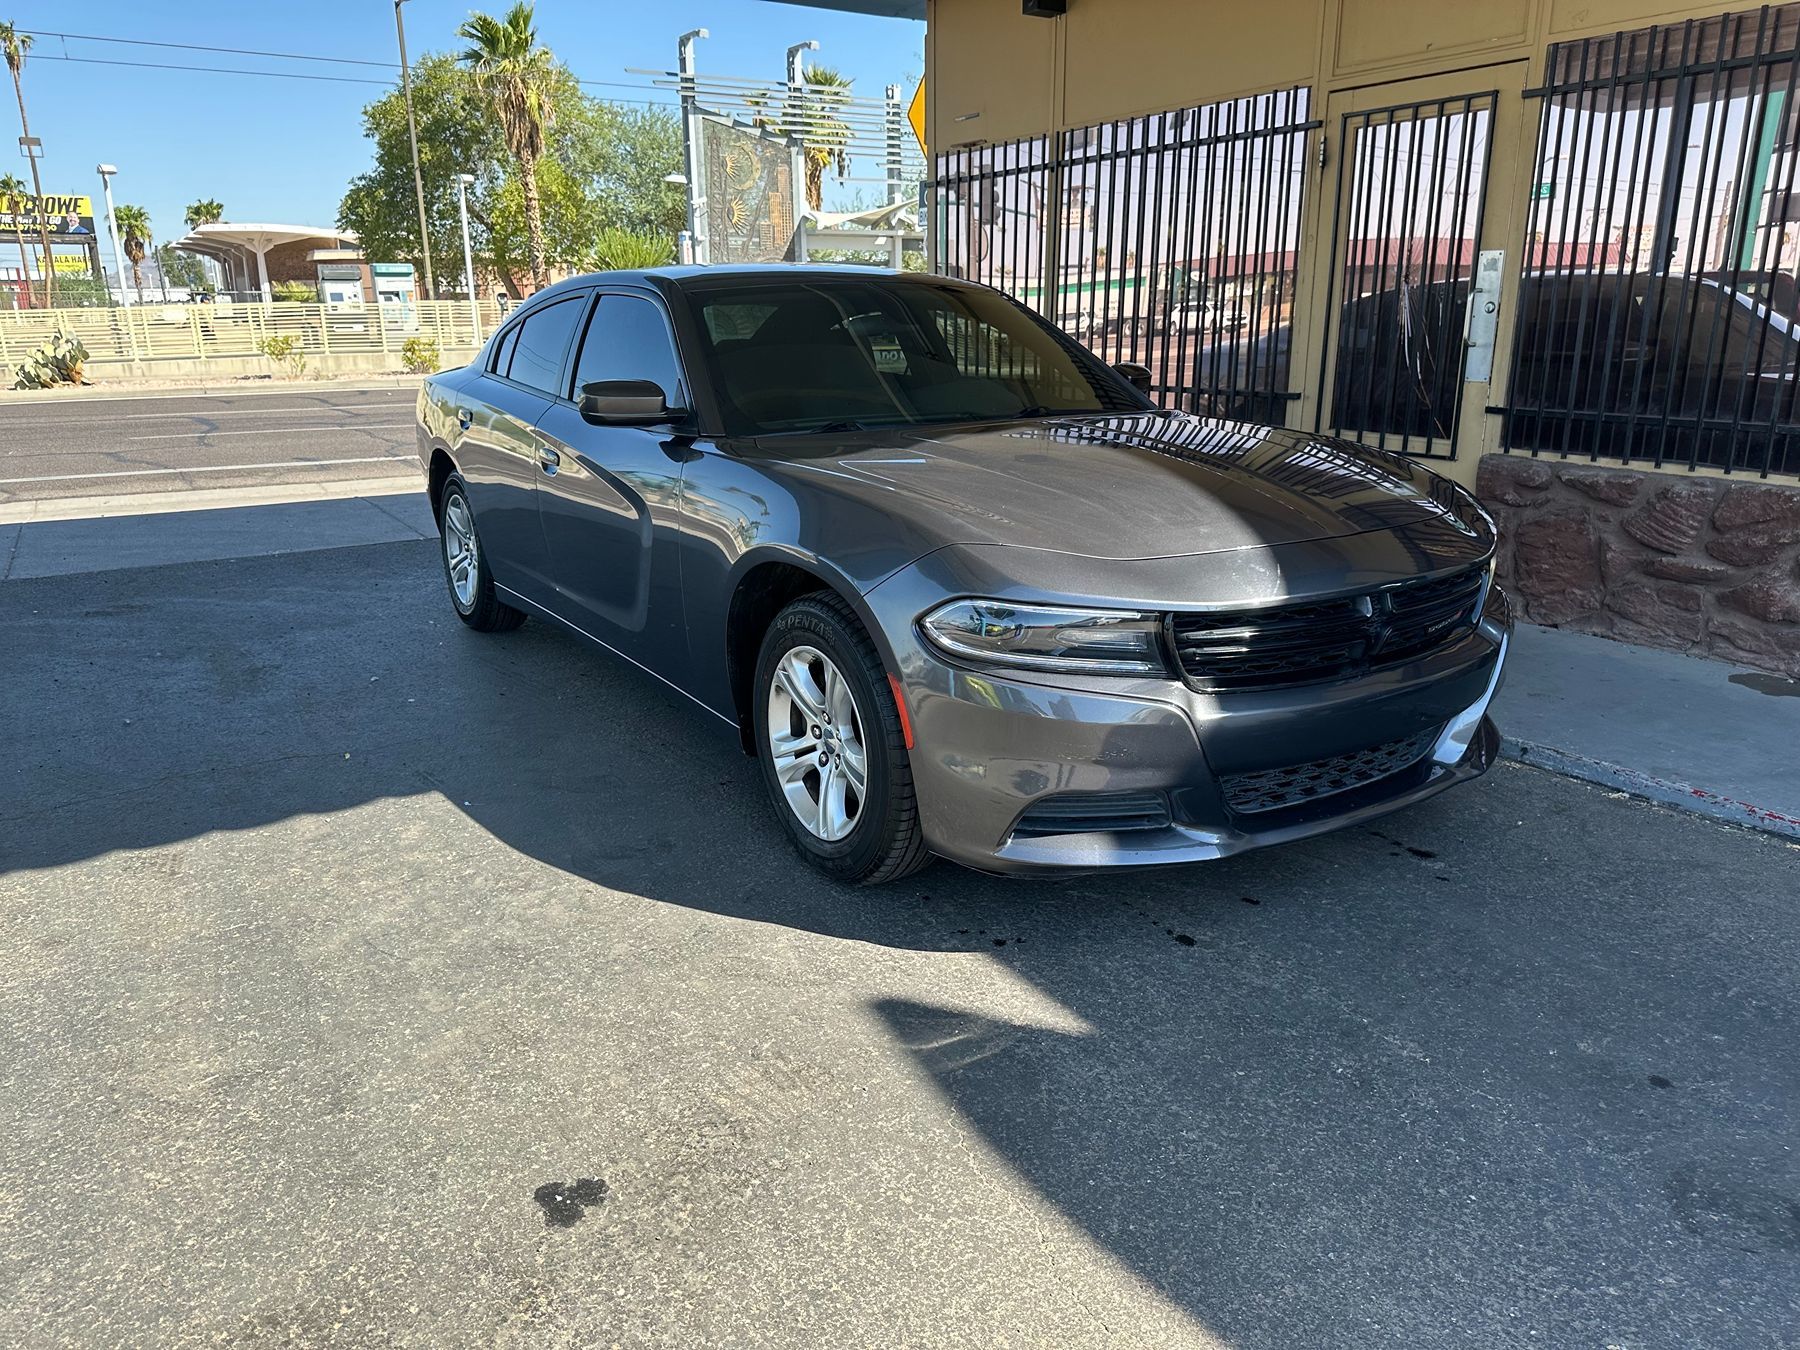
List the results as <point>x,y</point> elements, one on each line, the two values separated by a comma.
<point>1273,789</point>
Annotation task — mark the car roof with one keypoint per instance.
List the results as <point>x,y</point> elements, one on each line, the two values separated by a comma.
<point>690,277</point>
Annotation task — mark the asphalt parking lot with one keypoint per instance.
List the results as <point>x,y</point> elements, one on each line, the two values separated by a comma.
<point>371,982</point>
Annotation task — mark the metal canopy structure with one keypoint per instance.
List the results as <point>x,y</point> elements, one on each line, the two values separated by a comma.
<point>885,9</point>
<point>242,251</point>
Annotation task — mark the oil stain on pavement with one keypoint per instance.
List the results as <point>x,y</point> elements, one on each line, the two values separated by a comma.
<point>566,1204</point>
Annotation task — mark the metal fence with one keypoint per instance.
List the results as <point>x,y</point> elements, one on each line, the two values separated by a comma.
<point>1657,313</point>
<point>1169,240</point>
<point>189,332</point>
<point>1411,193</point>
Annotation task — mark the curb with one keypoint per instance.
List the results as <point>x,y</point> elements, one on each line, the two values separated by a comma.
<point>114,391</point>
<point>1663,791</point>
<point>44,510</point>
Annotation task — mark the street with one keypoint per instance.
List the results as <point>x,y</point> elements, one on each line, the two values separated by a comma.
<point>63,448</point>
<point>372,982</point>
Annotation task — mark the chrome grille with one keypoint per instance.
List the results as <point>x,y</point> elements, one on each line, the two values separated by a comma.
<point>1273,789</point>
<point>1325,639</point>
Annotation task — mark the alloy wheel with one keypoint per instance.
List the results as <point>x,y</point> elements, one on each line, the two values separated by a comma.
<point>816,743</point>
<point>460,555</point>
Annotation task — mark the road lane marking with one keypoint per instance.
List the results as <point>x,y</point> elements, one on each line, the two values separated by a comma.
<point>207,468</point>
<point>265,431</point>
<point>313,410</point>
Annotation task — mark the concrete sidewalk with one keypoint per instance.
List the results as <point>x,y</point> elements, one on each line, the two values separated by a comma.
<point>1685,731</point>
<point>52,548</point>
<point>1699,735</point>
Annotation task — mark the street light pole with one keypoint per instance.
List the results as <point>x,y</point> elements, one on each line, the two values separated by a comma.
<point>462,206</point>
<point>106,172</point>
<point>412,131</point>
<point>689,150</point>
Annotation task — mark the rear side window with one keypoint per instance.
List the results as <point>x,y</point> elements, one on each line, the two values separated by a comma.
<point>543,339</point>
<point>628,339</point>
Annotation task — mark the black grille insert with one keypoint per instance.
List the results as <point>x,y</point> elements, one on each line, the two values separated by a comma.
<point>1325,639</point>
<point>1086,812</point>
<point>1273,789</point>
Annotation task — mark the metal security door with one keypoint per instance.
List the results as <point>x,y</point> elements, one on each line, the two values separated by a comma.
<point>1410,218</point>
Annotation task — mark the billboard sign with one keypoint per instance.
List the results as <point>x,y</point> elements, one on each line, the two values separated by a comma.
<point>70,217</point>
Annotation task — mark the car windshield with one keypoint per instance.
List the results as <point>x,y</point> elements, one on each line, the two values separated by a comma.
<point>844,354</point>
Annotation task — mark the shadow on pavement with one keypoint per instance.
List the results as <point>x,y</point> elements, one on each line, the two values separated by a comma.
<point>1500,1069</point>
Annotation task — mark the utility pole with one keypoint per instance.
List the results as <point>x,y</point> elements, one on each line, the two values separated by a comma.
<point>798,120</point>
<point>462,206</point>
<point>106,172</point>
<point>690,150</point>
<point>894,118</point>
<point>412,131</point>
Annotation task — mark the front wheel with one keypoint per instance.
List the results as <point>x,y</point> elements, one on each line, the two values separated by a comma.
<point>832,748</point>
<point>466,566</point>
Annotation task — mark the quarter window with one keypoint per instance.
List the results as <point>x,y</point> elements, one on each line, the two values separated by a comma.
<point>628,339</point>
<point>543,340</point>
<point>503,350</point>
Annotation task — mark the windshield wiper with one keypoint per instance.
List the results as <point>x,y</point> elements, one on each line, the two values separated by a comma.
<point>842,424</point>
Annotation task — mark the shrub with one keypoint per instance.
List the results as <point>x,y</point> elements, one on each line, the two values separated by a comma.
<point>617,250</point>
<point>294,293</point>
<point>285,352</point>
<point>58,361</point>
<point>421,355</point>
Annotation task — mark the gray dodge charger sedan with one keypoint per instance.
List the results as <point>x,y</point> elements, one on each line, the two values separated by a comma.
<point>960,587</point>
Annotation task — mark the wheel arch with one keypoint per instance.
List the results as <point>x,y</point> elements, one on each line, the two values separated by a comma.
<point>764,582</point>
<point>437,473</point>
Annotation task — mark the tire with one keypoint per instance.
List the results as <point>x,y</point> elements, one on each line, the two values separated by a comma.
<point>881,840</point>
<point>465,562</point>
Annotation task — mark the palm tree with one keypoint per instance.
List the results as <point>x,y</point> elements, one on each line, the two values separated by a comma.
<point>824,139</point>
<point>133,224</point>
<point>514,71</point>
<point>12,192</point>
<point>206,211</point>
<point>13,46</point>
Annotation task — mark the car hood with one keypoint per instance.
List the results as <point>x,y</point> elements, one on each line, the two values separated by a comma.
<point>1141,485</point>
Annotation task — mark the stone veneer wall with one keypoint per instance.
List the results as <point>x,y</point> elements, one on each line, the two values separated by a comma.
<point>1703,565</point>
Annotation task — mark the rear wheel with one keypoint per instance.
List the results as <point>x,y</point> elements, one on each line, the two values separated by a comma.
<point>832,748</point>
<point>466,567</point>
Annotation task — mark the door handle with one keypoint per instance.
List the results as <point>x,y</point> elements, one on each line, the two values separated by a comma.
<point>548,459</point>
<point>464,417</point>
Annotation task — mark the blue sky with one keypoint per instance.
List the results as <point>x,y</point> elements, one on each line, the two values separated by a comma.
<point>283,150</point>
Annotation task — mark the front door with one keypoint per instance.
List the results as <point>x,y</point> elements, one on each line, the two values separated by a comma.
<point>609,499</point>
<point>1409,216</point>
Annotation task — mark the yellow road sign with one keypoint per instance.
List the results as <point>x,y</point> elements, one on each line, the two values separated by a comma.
<point>915,113</point>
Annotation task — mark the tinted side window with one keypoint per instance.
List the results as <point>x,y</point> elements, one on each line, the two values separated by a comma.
<point>503,350</point>
<point>543,338</point>
<point>628,339</point>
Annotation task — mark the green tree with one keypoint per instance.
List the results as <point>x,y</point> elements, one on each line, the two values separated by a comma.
<point>206,211</point>
<point>516,74</point>
<point>824,138</point>
<point>12,193</point>
<point>13,46</point>
<point>182,269</point>
<point>134,233</point>
<point>604,167</point>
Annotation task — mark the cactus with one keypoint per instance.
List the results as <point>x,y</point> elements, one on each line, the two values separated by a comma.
<point>58,361</point>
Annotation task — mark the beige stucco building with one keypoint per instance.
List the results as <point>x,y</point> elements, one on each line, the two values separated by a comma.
<point>1547,244</point>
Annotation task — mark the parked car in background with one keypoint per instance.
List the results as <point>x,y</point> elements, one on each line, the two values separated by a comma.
<point>958,585</point>
<point>1610,364</point>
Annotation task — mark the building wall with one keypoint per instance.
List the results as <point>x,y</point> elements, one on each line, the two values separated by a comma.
<point>1109,59</point>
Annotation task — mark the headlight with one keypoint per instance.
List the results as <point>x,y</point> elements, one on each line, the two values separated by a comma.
<point>1039,637</point>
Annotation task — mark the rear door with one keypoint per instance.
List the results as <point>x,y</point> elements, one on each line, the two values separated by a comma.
<point>610,501</point>
<point>500,455</point>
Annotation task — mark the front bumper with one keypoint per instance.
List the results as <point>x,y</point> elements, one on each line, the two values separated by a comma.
<point>997,759</point>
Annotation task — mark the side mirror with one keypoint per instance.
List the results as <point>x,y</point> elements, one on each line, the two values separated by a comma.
<point>1138,377</point>
<point>626,403</point>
